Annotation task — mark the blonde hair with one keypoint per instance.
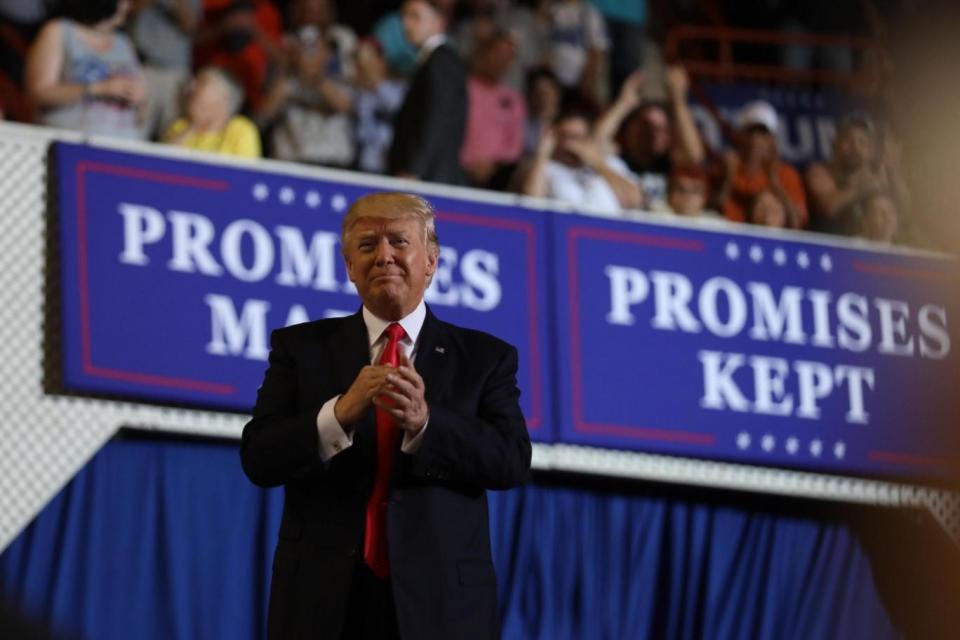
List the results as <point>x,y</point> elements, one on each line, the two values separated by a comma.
<point>391,204</point>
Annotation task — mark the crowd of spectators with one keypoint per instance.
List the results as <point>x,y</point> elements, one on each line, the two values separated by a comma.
<point>564,99</point>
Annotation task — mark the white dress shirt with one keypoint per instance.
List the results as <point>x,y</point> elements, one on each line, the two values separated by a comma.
<point>334,437</point>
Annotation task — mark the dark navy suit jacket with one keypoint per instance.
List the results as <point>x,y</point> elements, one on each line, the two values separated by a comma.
<point>429,129</point>
<point>443,579</point>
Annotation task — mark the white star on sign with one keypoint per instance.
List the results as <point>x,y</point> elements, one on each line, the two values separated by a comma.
<point>260,191</point>
<point>312,199</point>
<point>743,440</point>
<point>287,195</point>
<point>338,202</point>
<point>768,442</point>
<point>733,251</point>
<point>779,256</point>
<point>839,449</point>
<point>792,445</point>
<point>826,263</point>
<point>816,447</point>
<point>756,254</point>
<point>803,260</point>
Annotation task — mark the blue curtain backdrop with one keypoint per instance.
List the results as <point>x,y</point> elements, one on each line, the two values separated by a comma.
<point>165,539</point>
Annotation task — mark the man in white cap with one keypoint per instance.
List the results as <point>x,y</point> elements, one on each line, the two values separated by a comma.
<point>754,166</point>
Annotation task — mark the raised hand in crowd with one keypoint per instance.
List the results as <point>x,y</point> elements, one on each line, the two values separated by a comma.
<point>547,144</point>
<point>587,150</point>
<point>677,81</point>
<point>628,99</point>
<point>687,148</point>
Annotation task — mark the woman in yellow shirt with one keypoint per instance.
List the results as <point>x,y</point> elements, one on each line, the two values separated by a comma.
<point>210,122</point>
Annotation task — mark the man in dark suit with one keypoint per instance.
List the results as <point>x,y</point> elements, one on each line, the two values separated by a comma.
<point>429,129</point>
<point>385,466</point>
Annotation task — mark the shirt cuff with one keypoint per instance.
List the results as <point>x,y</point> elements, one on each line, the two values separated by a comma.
<point>333,437</point>
<point>411,444</point>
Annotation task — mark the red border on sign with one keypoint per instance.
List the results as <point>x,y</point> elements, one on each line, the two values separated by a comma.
<point>878,269</point>
<point>533,328</point>
<point>82,169</point>
<point>907,459</point>
<point>576,370</point>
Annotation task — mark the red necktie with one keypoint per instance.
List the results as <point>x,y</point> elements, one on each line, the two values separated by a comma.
<point>375,538</point>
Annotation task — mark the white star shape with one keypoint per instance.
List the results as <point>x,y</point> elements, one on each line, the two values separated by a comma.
<point>338,202</point>
<point>732,251</point>
<point>312,199</point>
<point>756,254</point>
<point>768,442</point>
<point>287,195</point>
<point>803,260</point>
<point>826,263</point>
<point>743,440</point>
<point>261,191</point>
<point>792,445</point>
<point>779,256</point>
<point>840,449</point>
<point>816,448</point>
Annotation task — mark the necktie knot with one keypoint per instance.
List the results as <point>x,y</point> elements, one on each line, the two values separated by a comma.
<point>394,333</point>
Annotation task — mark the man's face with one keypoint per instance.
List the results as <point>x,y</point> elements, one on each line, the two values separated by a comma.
<point>570,131</point>
<point>657,130</point>
<point>757,143</point>
<point>646,134</point>
<point>544,97</point>
<point>496,60</point>
<point>854,148</point>
<point>420,21</point>
<point>390,263</point>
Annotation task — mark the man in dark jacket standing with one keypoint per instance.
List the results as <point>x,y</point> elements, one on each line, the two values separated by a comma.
<point>386,428</point>
<point>430,127</point>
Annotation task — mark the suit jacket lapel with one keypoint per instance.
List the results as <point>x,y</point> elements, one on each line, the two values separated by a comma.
<point>430,351</point>
<point>345,353</point>
<point>349,352</point>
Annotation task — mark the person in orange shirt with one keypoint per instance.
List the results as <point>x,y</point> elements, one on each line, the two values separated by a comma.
<point>754,166</point>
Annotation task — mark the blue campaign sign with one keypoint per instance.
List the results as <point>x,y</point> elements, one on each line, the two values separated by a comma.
<point>807,117</point>
<point>756,349</point>
<point>174,273</point>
